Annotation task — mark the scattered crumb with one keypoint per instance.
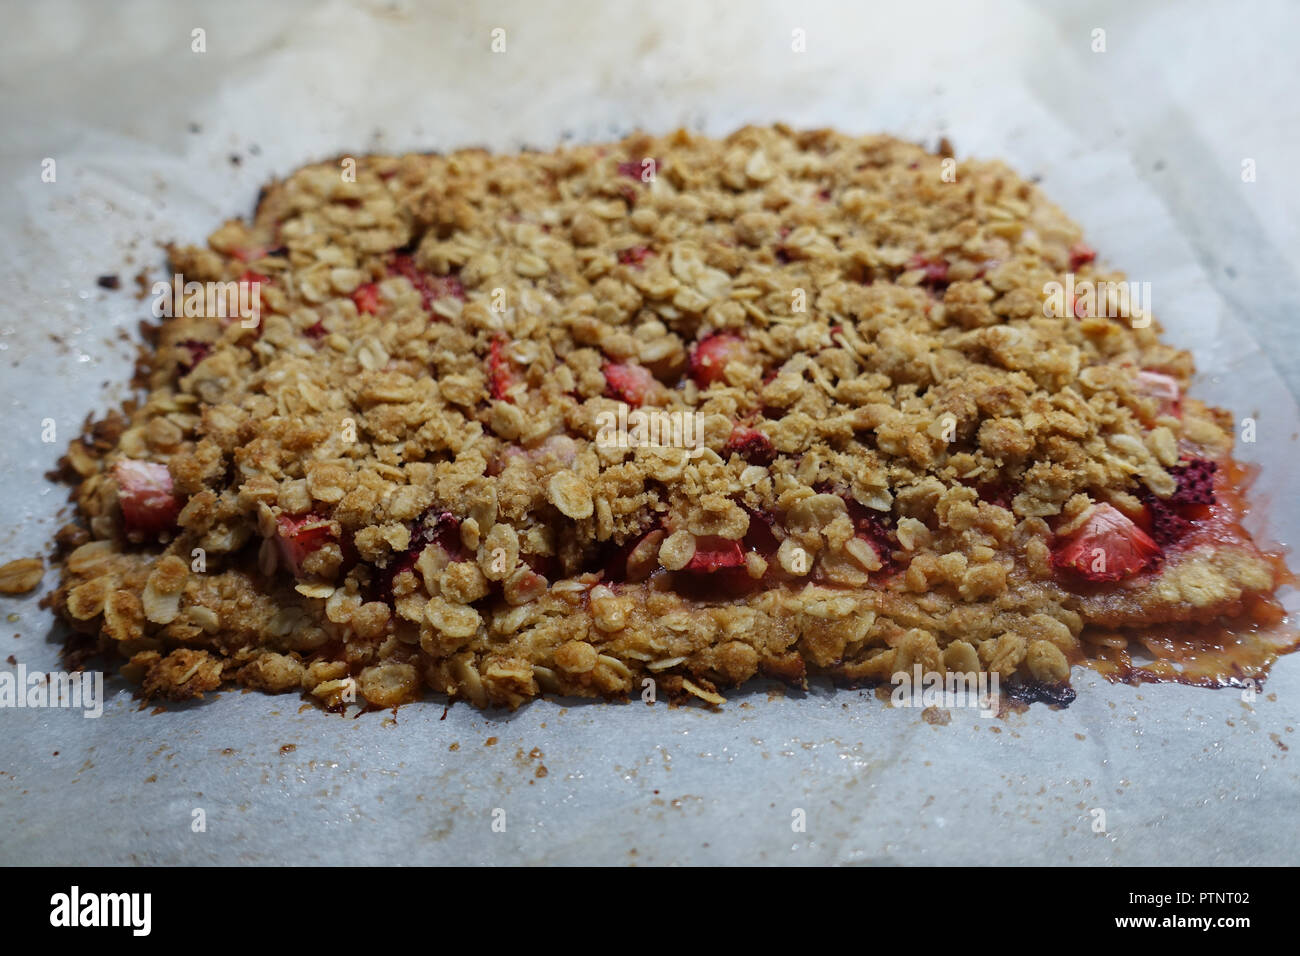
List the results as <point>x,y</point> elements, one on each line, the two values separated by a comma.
<point>936,716</point>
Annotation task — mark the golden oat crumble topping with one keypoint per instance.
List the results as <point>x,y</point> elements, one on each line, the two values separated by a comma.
<point>395,481</point>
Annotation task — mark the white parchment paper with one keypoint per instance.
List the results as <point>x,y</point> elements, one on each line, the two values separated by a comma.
<point>1142,143</point>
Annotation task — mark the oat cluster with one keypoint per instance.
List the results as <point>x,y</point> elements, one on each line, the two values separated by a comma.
<point>394,482</point>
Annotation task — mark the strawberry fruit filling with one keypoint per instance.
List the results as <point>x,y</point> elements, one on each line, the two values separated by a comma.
<point>299,536</point>
<point>638,168</point>
<point>431,288</point>
<point>634,256</point>
<point>1081,254</point>
<point>629,382</point>
<point>433,528</point>
<point>1163,521</point>
<point>1107,547</point>
<point>366,298</point>
<point>713,553</point>
<point>873,527</point>
<point>751,445</point>
<point>1195,477</point>
<point>144,490</point>
<point>936,270</point>
<point>713,353</point>
<point>197,352</point>
<point>1169,519</point>
<point>1164,389</point>
<point>500,376</point>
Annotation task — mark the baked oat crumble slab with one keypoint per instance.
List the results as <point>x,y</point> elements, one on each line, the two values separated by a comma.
<point>397,479</point>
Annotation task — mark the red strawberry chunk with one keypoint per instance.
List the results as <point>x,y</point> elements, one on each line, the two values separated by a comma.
<point>713,553</point>
<point>1163,388</point>
<point>1195,477</point>
<point>713,353</point>
<point>144,490</point>
<point>751,445</point>
<point>253,253</point>
<point>629,382</point>
<point>1081,254</point>
<point>367,298</point>
<point>197,352</point>
<point>1163,521</point>
<point>316,331</point>
<point>298,537</point>
<point>431,288</point>
<point>936,270</point>
<point>634,256</point>
<point>1107,547</point>
<point>997,493</point>
<point>760,537</point>
<point>873,527</point>
<point>500,376</point>
<point>442,529</point>
<point>636,169</point>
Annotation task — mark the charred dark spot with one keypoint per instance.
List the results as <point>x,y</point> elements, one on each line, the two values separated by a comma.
<point>1058,695</point>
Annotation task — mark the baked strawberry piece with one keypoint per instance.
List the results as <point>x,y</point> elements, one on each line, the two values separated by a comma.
<point>713,353</point>
<point>298,537</point>
<point>367,298</point>
<point>751,445</point>
<point>1107,547</point>
<point>501,377</point>
<point>431,287</point>
<point>144,491</point>
<point>629,382</point>
<point>1164,389</point>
